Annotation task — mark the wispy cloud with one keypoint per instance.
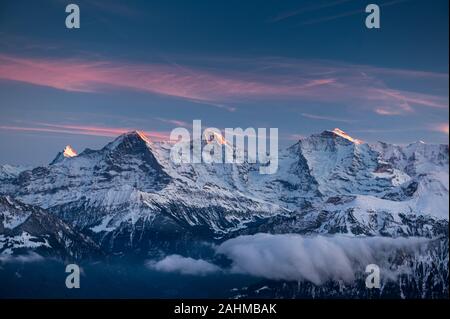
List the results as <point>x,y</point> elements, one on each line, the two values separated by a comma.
<point>317,7</point>
<point>82,130</point>
<point>386,111</point>
<point>440,127</point>
<point>410,129</point>
<point>440,102</point>
<point>174,122</point>
<point>191,84</point>
<point>326,118</point>
<point>237,81</point>
<point>348,13</point>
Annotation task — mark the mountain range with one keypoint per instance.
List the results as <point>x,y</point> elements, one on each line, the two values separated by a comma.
<point>130,199</point>
<point>129,194</point>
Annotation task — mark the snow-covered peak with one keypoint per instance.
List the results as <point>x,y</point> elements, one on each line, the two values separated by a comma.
<point>344,135</point>
<point>69,151</point>
<point>212,136</point>
<point>342,164</point>
<point>129,140</point>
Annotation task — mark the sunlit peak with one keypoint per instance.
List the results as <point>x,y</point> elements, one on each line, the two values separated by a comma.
<point>69,151</point>
<point>143,136</point>
<point>342,134</point>
<point>211,135</point>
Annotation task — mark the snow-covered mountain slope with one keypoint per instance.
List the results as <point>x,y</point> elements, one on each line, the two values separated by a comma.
<point>414,159</point>
<point>25,227</point>
<point>130,189</point>
<point>10,171</point>
<point>360,215</point>
<point>103,181</point>
<point>425,167</point>
<point>342,166</point>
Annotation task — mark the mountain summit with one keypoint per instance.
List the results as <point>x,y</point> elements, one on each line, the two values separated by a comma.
<point>342,134</point>
<point>68,152</point>
<point>129,141</point>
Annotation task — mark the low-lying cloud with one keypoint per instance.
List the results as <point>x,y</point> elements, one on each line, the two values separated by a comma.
<point>184,265</point>
<point>315,259</point>
<point>28,258</point>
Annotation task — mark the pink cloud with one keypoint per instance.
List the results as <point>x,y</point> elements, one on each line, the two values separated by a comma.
<point>440,127</point>
<point>416,98</point>
<point>83,76</point>
<point>236,81</point>
<point>83,130</point>
<point>191,84</point>
<point>327,118</point>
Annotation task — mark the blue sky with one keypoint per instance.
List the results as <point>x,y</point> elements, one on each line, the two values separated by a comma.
<point>301,66</point>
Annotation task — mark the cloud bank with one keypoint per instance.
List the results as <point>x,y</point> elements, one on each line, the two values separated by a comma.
<point>293,257</point>
<point>316,259</point>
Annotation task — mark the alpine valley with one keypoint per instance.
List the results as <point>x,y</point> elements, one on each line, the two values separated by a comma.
<point>129,202</point>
